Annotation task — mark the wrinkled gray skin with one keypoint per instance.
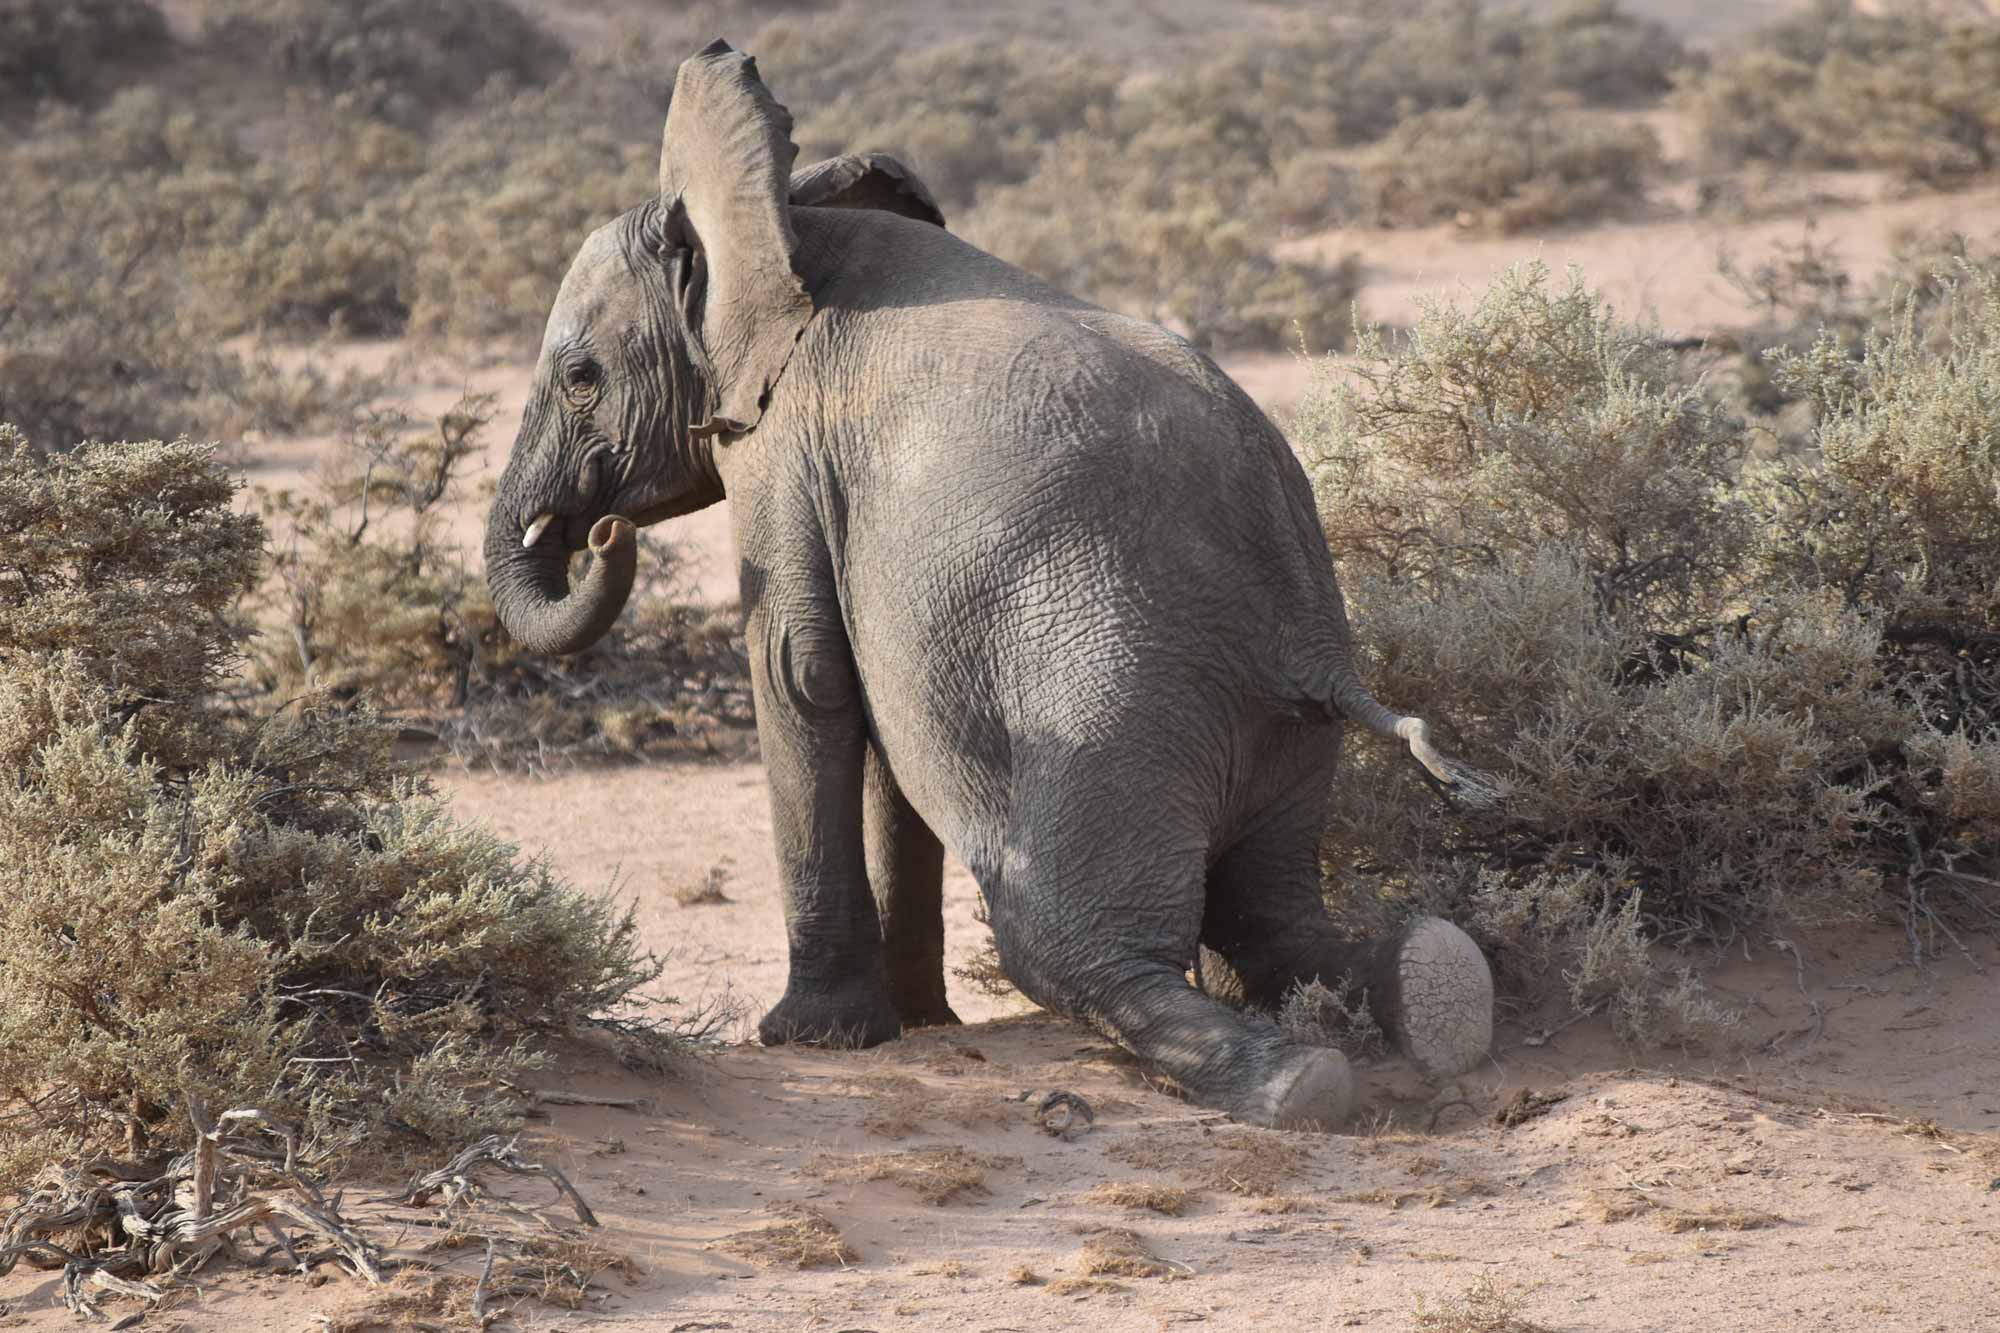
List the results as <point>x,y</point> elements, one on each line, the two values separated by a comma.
<point>1021,577</point>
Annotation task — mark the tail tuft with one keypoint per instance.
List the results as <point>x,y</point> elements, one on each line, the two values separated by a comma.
<point>1468,784</point>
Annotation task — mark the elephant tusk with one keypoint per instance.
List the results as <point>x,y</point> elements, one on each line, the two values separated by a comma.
<point>535,530</point>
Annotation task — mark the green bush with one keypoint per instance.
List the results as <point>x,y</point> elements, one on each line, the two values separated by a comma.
<point>1705,727</point>
<point>246,911</point>
<point>1505,169</point>
<point>1907,89</point>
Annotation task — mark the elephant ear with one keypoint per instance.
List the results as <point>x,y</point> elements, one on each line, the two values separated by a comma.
<point>865,180</point>
<point>724,168</point>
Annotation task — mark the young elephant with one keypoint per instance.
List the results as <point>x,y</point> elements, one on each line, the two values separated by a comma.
<point>1021,577</point>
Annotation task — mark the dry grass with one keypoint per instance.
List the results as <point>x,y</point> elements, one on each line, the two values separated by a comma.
<point>1287,1203</point>
<point>1388,1198</point>
<point>1483,1307</point>
<point>1119,1252</point>
<point>1021,1275</point>
<point>1680,1220</point>
<point>1157,1196</point>
<point>706,891</point>
<point>553,1269</point>
<point>1624,1204</point>
<point>1084,1286</point>
<point>935,1175</point>
<point>561,1270</point>
<point>802,1238</point>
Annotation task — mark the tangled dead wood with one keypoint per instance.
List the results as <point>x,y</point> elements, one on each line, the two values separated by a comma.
<point>143,1229</point>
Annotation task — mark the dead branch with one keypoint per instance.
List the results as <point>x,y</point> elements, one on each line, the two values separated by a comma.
<point>454,1179</point>
<point>121,1221</point>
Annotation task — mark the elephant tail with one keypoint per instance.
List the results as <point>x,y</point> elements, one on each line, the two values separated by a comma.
<point>1351,699</point>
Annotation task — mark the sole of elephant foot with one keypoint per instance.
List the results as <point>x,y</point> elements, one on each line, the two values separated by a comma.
<point>1314,1089</point>
<point>822,1023</point>
<point>1445,996</point>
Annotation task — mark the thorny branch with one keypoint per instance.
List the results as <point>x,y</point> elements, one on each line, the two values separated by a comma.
<point>142,1229</point>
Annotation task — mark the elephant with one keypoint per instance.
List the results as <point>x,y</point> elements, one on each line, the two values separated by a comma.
<point>1020,577</point>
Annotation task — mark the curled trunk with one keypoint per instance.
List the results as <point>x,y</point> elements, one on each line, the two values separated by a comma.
<point>531,589</point>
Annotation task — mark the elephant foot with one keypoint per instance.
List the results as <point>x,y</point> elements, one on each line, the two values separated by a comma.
<point>1312,1089</point>
<point>929,1016</point>
<point>1441,1016</point>
<point>921,1003</point>
<point>846,1021</point>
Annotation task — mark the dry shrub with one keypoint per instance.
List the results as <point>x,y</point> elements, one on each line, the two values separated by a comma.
<point>966,116</point>
<point>371,598</point>
<point>935,1175</point>
<point>1897,506</point>
<point>803,1238</point>
<point>112,330</point>
<point>1161,196</point>
<point>65,48</point>
<point>982,970</point>
<point>510,188</point>
<point>397,59</point>
<point>251,911</point>
<point>1151,1195</point>
<point>95,337</point>
<point>1483,1307</point>
<point>1185,255</point>
<point>1553,553</point>
<point>1914,89</point>
<point>1336,1018</point>
<point>1505,169</point>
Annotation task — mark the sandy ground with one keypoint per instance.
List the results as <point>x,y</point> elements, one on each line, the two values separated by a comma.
<point>1834,1165</point>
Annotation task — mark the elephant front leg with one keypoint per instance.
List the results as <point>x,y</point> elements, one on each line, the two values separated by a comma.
<point>811,728</point>
<point>906,870</point>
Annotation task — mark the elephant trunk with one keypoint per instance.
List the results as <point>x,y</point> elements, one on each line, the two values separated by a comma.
<point>530,584</point>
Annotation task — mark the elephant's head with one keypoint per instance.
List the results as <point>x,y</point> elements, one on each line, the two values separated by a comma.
<point>672,326</point>
<point>668,334</point>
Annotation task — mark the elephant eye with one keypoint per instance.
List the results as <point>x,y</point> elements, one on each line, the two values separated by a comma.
<point>582,378</point>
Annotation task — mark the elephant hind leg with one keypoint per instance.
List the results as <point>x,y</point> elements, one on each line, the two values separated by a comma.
<point>1087,932</point>
<point>906,872</point>
<point>1266,930</point>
